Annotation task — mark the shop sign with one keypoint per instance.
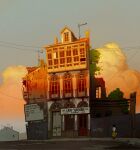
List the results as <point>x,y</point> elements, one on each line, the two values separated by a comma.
<point>79,110</point>
<point>33,112</point>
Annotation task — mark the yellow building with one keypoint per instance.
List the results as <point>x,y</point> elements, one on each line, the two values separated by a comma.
<point>68,55</point>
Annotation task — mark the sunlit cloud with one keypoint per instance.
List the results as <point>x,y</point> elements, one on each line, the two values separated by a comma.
<point>117,73</point>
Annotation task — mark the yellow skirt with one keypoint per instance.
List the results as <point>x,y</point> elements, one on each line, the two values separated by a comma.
<point>114,134</point>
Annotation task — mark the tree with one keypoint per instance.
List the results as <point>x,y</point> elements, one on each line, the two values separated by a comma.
<point>94,57</point>
<point>117,95</point>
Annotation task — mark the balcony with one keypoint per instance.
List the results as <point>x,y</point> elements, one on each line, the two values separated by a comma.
<point>81,93</point>
<point>54,95</point>
<point>25,95</point>
<point>67,94</point>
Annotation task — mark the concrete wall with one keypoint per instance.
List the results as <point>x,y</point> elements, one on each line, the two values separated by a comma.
<point>102,127</point>
<point>37,130</point>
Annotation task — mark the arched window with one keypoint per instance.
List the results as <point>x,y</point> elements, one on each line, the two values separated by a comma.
<point>67,83</point>
<point>69,105</point>
<point>82,104</point>
<point>55,106</point>
<point>54,85</point>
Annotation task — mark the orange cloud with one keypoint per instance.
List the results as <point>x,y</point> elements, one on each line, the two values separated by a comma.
<point>11,99</point>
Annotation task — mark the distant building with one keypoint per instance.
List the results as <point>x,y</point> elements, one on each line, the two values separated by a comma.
<point>8,134</point>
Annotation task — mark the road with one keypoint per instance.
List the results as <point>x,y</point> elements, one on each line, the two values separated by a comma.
<point>66,145</point>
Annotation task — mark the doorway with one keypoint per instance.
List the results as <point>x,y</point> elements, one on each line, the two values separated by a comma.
<point>83,125</point>
<point>56,120</point>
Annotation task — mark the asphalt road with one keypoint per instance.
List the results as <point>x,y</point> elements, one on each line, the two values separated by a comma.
<point>66,145</point>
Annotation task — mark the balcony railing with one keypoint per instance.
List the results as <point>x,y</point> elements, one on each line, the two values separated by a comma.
<point>54,95</point>
<point>64,94</point>
<point>81,93</point>
<point>25,95</point>
<point>67,94</point>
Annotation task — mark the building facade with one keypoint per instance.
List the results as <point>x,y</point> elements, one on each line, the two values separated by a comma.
<point>62,86</point>
<point>62,95</point>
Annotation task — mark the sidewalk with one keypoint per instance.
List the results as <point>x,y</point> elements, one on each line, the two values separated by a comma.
<point>131,141</point>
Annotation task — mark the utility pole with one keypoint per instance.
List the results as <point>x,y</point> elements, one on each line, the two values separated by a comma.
<point>79,25</point>
<point>133,113</point>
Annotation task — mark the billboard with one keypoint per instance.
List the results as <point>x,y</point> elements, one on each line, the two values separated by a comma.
<point>33,112</point>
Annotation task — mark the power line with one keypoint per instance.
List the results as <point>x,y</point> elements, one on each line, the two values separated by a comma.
<point>18,48</point>
<point>20,45</point>
<point>10,96</point>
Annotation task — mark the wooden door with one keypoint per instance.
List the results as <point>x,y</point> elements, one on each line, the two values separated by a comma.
<point>83,124</point>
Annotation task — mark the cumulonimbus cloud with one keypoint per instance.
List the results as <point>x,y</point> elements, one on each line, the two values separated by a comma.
<point>117,73</point>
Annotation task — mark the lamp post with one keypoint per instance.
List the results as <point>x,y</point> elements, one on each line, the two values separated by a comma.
<point>79,25</point>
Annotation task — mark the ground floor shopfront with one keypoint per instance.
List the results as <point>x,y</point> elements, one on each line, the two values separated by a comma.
<point>69,119</point>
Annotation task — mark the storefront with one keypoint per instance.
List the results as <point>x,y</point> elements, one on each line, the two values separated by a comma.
<point>68,120</point>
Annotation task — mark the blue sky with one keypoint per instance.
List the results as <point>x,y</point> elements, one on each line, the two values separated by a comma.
<point>37,22</point>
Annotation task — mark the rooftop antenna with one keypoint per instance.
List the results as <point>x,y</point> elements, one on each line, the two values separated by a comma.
<point>79,25</point>
<point>39,52</point>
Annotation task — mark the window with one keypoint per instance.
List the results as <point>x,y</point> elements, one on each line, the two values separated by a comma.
<point>50,62</point>
<point>98,92</point>
<point>76,58</point>
<point>67,83</point>
<point>81,83</point>
<point>67,86</point>
<point>82,55</point>
<point>55,55</point>
<point>61,53</point>
<point>55,61</point>
<point>69,60</point>
<point>49,59</point>
<point>68,52</point>
<point>82,51</point>
<point>75,52</point>
<point>66,36</point>
<point>54,85</point>
<point>49,56</point>
<point>68,47</point>
<point>62,60</point>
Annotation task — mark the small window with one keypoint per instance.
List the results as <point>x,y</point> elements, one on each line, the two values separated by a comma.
<point>98,92</point>
<point>66,36</point>
<point>68,53</point>
<point>75,52</point>
<point>69,60</point>
<point>50,62</point>
<point>62,60</point>
<point>83,59</point>
<point>49,56</point>
<point>55,61</point>
<point>76,58</point>
<point>55,55</point>
<point>61,53</point>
